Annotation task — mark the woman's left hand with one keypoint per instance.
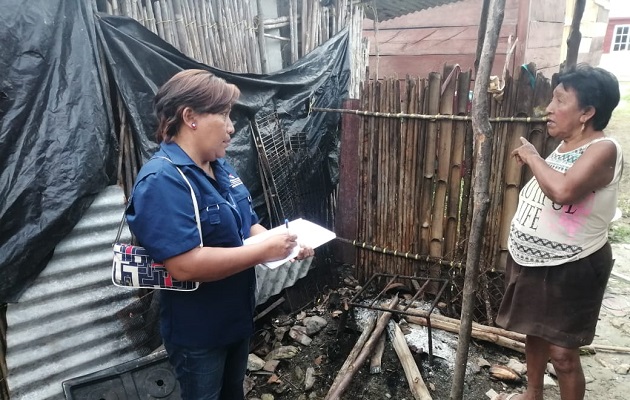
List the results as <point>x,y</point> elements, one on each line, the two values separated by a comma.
<point>305,252</point>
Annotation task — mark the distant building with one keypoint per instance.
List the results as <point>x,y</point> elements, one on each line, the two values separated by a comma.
<point>423,41</point>
<point>616,49</point>
<point>592,27</point>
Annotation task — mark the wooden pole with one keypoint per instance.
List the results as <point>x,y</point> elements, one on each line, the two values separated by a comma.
<point>575,37</point>
<point>483,132</point>
<point>365,335</point>
<point>414,379</point>
<point>476,333</point>
<point>481,33</point>
<point>261,38</point>
<point>377,357</point>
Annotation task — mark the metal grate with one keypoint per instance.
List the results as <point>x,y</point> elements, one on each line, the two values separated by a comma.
<point>387,281</point>
<point>286,165</point>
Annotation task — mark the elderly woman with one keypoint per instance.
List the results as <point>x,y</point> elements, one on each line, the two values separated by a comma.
<point>205,332</point>
<point>560,258</point>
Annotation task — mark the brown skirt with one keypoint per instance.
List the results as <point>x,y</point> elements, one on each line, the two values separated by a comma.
<point>559,304</point>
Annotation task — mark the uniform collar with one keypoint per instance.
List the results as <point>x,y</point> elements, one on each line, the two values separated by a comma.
<point>175,153</point>
<point>179,157</point>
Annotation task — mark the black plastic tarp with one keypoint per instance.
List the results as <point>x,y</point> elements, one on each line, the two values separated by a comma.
<point>57,146</point>
<point>57,142</point>
<point>141,61</point>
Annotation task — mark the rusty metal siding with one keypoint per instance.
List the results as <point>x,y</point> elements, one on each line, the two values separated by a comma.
<point>66,325</point>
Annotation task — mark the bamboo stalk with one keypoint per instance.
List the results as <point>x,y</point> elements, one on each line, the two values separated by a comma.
<point>425,116</point>
<point>419,141</point>
<point>171,23</point>
<point>180,27</point>
<point>221,33</point>
<point>168,36</point>
<point>252,40</point>
<point>151,16</point>
<point>371,190</point>
<point>304,28</point>
<point>361,197</point>
<point>379,175</point>
<point>191,36</point>
<point>236,59</point>
<point>158,19</point>
<point>292,29</point>
<point>200,31</point>
<point>216,40</point>
<point>413,180</point>
<point>261,38</point>
<point>404,181</point>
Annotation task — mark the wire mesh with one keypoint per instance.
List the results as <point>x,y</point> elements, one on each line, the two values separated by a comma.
<point>290,171</point>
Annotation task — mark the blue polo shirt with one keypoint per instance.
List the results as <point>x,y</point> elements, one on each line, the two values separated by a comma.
<point>162,217</point>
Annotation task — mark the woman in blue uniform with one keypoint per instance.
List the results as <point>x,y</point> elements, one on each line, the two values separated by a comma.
<point>205,332</point>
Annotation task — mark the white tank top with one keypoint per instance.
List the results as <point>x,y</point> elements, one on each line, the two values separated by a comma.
<point>543,233</point>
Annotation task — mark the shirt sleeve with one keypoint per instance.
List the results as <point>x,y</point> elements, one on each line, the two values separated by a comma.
<point>161,214</point>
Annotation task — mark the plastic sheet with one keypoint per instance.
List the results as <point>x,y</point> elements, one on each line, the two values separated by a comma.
<point>57,148</point>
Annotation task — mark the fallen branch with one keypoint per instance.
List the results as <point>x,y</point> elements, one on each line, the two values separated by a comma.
<point>365,335</point>
<point>476,333</point>
<point>490,329</point>
<point>501,337</point>
<point>375,360</point>
<point>414,379</point>
<point>603,347</point>
<point>346,375</point>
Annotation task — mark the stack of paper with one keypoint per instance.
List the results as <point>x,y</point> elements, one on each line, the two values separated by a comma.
<point>308,234</point>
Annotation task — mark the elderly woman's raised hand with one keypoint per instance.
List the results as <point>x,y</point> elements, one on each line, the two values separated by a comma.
<point>525,152</point>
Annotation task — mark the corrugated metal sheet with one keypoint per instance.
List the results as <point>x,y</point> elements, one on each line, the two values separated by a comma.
<point>388,9</point>
<point>67,325</point>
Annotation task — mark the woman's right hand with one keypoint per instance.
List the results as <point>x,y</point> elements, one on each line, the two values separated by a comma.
<point>280,246</point>
<point>525,152</point>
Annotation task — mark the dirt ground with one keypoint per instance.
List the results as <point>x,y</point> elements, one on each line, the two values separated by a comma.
<point>607,372</point>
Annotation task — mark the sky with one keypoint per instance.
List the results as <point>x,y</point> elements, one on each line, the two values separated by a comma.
<point>620,8</point>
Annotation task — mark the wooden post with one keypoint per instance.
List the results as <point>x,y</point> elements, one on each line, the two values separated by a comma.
<point>481,200</point>
<point>261,38</point>
<point>481,33</point>
<point>575,37</point>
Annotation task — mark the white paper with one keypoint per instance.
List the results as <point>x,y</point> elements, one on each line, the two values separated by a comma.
<point>308,234</point>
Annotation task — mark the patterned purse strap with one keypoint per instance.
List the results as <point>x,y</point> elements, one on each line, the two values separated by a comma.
<point>194,201</point>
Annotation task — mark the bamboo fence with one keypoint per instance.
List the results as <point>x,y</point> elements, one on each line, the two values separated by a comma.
<point>414,176</point>
<point>229,35</point>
